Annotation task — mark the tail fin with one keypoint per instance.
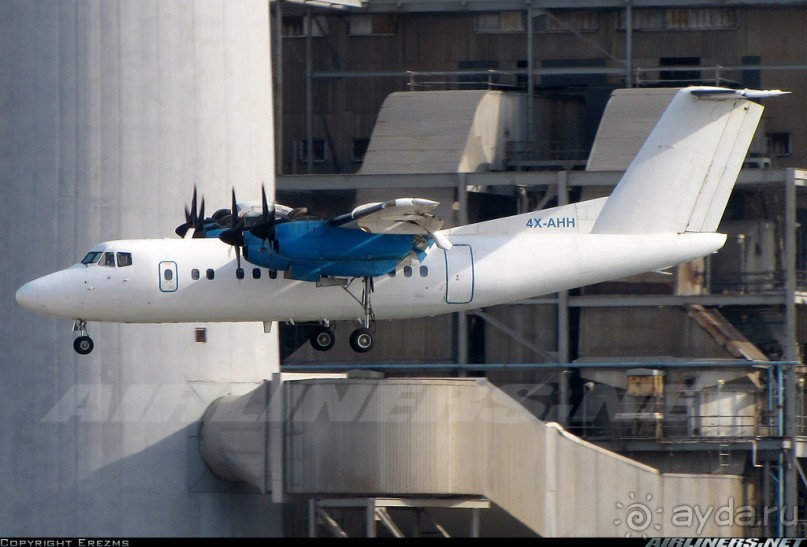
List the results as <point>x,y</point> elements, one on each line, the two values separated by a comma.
<point>683,175</point>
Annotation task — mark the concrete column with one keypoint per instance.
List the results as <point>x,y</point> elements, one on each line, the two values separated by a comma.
<point>112,111</point>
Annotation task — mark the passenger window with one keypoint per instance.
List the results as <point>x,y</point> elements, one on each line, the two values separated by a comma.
<point>392,273</point>
<point>168,275</point>
<point>124,259</point>
<point>239,273</point>
<point>108,260</point>
<point>407,271</point>
<point>194,274</point>
<point>272,274</point>
<point>210,273</point>
<point>256,273</point>
<point>424,271</point>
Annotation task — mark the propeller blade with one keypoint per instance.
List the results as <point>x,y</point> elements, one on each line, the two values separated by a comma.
<point>265,229</point>
<point>234,211</point>
<point>199,225</point>
<point>190,217</point>
<point>183,228</point>
<point>233,236</point>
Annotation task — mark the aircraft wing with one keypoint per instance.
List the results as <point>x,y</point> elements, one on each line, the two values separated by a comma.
<point>398,216</point>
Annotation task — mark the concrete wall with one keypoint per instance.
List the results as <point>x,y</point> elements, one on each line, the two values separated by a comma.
<point>111,111</point>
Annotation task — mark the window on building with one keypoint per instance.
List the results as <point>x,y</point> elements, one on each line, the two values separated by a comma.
<point>567,21</point>
<point>501,22</point>
<point>373,25</point>
<point>700,18</point>
<point>780,144</point>
<point>295,26</point>
<point>319,147</point>
<point>200,335</point>
<point>359,149</point>
<point>661,19</point>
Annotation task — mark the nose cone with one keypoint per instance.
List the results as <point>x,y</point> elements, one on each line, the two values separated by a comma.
<point>28,296</point>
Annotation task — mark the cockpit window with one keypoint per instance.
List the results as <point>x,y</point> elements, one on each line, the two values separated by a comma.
<point>108,260</point>
<point>92,257</point>
<point>124,259</point>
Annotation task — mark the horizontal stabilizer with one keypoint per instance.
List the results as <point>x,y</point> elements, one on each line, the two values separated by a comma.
<point>719,93</point>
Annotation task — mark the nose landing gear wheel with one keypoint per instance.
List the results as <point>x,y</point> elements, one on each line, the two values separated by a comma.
<point>361,341</point>
<point>83,345</point>
<point>322,339</point>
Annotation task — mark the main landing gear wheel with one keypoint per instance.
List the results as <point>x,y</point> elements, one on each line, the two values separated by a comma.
<point>83,345</point>
<point>362,340</point>
<point>322,339</point>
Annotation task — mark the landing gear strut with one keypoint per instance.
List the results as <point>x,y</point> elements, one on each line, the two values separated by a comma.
<point>362,340</point>
<point>83,344</point>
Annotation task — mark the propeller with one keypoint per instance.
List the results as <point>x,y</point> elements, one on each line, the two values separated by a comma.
<point>262,227</point>
<point>234,235</point>
<point>193,219</point>
<point>265,228</point>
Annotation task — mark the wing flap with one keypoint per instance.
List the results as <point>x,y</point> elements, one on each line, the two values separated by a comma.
<point>412,216</point>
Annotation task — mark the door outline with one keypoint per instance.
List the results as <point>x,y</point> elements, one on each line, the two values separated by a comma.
<point>168,285</point>
<point>459,288</point>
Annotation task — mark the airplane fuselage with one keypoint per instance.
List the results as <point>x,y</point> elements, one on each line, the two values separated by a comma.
<point>194,280</point>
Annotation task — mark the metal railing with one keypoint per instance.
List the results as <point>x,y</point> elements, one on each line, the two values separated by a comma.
<point>490,79</point>
<point>681,413</point>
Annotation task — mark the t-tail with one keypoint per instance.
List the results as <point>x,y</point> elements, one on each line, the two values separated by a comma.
<point>681,179</point>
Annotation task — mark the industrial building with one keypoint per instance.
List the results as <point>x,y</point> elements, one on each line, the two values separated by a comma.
<point>557,416</point>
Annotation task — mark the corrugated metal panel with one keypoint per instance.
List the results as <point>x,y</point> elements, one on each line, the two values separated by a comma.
<point>654,331</point>
<point>391,437</point>
<point>537,324</point>
<point>466,437</point>
<point>718,498</point>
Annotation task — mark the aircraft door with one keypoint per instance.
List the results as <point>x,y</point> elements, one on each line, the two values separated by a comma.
<point>168,276</point>
<point>459,274</point>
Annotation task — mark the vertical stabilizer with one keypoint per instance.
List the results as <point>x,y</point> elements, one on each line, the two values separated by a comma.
<point>683,175</point>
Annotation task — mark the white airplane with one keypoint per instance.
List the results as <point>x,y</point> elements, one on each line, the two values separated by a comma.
<point>392,260</point>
